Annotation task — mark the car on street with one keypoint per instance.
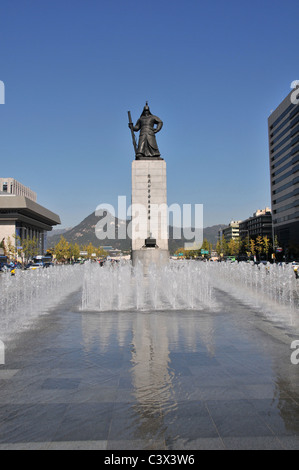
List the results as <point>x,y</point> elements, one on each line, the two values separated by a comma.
<point>33,266</point>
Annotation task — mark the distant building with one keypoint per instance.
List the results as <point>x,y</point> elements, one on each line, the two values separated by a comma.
<point>21,217</point>
<point>111,251</point>
<point>230,232</point>
<point>260,224</point>
<point>283,129</point>
<point>12,186</point>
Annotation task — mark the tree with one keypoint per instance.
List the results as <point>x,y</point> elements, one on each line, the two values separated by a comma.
<point>74,251</point>
<point>62,250</point>
<point>266,245</point>
<point>252,246</point>
<point>245,245</point>
<point>221,247</point>
<point>10,249</point>
<point>180,252</point>
<point>205,245</point>
<point>90,250</point>
<point>190,254</point>
<point>218,247</point>
<point>234,246</point>
<point>100,252</point>
<point>259,245</point>
<point>30,247</point>
<point>19,248</point>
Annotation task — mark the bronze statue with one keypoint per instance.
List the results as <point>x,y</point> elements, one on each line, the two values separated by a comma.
<point>147,148</point>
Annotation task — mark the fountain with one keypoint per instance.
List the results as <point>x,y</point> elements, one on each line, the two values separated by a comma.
<point>188,285</point>
<point>269,287</point>
<point>158,350</point>
<point>29,294</point>
<point>174,286</point>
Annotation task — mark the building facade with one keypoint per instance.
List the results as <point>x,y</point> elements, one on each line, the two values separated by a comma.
<point>283,129</point>
<point>12,186</point>
<point>230,232</point>
<point>260,224</point>
<point>22,218</point>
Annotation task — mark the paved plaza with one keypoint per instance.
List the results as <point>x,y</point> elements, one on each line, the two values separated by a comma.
<point>219,379</point>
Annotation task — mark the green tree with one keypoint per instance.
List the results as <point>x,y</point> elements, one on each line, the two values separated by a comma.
<point>10,249</point>
<point>100,252</point>
<point>245,245</point>
<point>234,246</point>
<point>218,247</point>
<point>252,246</point>
<point>266,245</point>
<point>259,245</point>
<point>222,247</point>
<point>19,248</point>
<point>205,245</point>
<point>62,250</point>
<point>181,251</point>
<point>74,251</point>
<point>30,247</point>
<point>90,250</point>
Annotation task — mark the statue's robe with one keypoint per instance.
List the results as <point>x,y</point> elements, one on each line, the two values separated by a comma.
<point>147,144</point>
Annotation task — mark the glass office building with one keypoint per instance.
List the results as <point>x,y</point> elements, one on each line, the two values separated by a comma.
<point>283,128</point>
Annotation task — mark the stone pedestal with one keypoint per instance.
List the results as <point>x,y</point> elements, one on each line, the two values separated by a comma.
<point>149,212</point>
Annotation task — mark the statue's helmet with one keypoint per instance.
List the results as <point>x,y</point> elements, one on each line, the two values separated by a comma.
<point>146,109</point>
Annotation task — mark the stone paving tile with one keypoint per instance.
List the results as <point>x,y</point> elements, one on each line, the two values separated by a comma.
<point>78,445</point>
<point>68,445</point>
<point>137,444</point>
<point>209,392</point>
<point>30,423</point>
<point>290,442</point>
<point>25,446</point>
<point>61,384</point>
<point>85,421</point>
<point>252,443</point>
<point>7,374</point>
<point>203,443</point>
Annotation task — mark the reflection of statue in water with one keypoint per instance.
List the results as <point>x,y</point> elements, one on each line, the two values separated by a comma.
<point>147,144</point>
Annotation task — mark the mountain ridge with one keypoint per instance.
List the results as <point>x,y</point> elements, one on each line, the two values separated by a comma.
<point>90,230</point>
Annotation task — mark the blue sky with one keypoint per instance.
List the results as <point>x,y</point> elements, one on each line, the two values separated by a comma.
<point>212,71</point>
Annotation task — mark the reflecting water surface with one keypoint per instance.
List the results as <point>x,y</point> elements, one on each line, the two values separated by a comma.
<point>196,378</point>
<point>126,366</point>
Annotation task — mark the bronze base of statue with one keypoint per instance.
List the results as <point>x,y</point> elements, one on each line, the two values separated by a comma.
<point>142,157</point>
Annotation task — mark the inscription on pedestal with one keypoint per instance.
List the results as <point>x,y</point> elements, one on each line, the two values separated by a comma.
<point>149,203</point>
